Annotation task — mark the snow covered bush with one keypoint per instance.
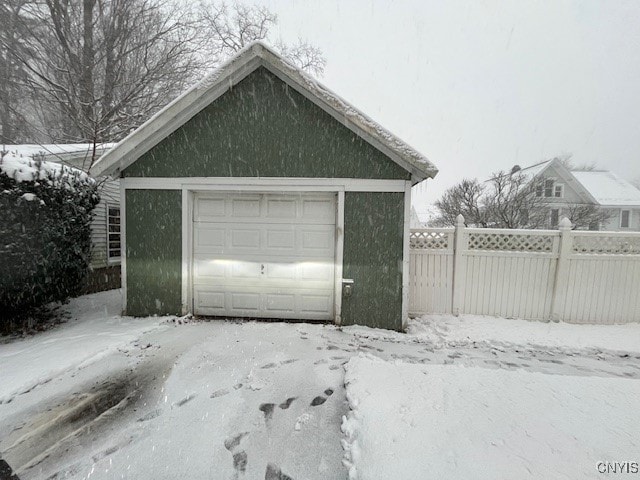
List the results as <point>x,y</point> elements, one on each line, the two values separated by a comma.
<point>45,237</point>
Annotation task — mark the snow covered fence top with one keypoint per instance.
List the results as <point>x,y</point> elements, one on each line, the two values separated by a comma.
<point>256,54</point>
<point>26,169</point>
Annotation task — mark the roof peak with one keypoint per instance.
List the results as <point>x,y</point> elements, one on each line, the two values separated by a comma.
<point>231,72</point>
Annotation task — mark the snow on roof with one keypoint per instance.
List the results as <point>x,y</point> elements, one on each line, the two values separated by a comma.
<point>533,170</point>
<point>29,150</point>
<point>607,188</point>
<point>20,165</point>
<point>176,113</point>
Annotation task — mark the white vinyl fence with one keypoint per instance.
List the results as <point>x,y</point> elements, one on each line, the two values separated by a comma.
<point>573,276</point>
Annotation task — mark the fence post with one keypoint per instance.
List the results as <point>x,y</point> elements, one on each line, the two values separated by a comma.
<point>562,270</point>
<point>459,270</point>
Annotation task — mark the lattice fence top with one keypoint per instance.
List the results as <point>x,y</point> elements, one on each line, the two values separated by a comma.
<point>428,240</point>
<point>606,244</point>
<point>510,242</point>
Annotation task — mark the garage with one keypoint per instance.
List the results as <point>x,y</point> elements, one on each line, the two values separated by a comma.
<point>261,194</point>
<point>264,255</point>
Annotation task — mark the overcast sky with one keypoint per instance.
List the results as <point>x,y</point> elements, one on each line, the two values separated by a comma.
<point>479,86</point>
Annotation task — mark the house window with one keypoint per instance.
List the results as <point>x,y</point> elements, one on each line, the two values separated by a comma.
<point>548,188</point>
<point>113,233</point>
<point>625,216</point>
<point>555,217</point>
<point>558,190</point>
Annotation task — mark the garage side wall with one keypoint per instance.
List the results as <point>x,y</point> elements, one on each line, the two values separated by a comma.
<point>154,252</point>
<point>373,240</point>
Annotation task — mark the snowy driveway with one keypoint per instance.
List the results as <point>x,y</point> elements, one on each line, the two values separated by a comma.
<point>233,400</point>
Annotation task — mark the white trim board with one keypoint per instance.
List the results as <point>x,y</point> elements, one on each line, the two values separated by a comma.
<point>264,184</point>
<point>339,267</point>
<point>123,246</point>
<point>405,254</point>
<point>255,55</point>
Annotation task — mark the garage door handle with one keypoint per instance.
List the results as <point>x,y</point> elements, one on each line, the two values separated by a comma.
<point>262,268</point>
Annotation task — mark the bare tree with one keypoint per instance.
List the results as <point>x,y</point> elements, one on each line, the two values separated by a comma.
<point>13,126</point>
<point>510,200</point>
<point>304,55</point>
<point>464,198</point>
<point>228,29</point>
<point>101,67</point>
<point>567,160</point>
<point>586,216</point>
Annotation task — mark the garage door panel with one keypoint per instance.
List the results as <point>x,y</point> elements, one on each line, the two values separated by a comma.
<point>269,255</point>
<point>280,238</point>
<point>315,304</point>
<point>319,209</point>
<point>243,239</point>
<point>319,241</point>
<point>248,206</point>
<point>297,304</point>
<point>280,302</point>
<point>210,209</point>
<point>281,208</point>
<point>209,238</point>
<point>280,271</point>
<point>244,301</point>
<point>315,271</point>
<point>236,240</point>
<point>210,300</point>
<point>211,269</point>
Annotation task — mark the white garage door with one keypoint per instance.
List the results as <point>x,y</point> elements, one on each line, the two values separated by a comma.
<point>264,255</point>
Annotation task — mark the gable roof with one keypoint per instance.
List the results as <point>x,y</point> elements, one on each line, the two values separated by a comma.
<point>253,56</point>
<point>600,187</point>
<point>608,189</point>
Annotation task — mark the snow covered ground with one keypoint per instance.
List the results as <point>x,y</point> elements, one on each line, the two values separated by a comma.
<point>447,329</point>
<point>450,421</point>
<point>95,330</point>
<point>104,396</point>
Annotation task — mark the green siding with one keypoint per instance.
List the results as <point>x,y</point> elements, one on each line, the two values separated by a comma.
<point>373,241</point>
<point>154,251</point>
<point>263,127</point>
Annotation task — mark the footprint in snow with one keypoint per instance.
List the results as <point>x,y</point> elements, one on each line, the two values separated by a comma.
<point>185,400</point>
<point>267,409</point>
<point>149,416</point>
<point>239,457</point>
<point>273,472</point>
<point>219,393</point>
<point>320,399</point>
<point>287,403</point>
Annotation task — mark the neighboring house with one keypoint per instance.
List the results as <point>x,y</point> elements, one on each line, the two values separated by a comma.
<point>260,193</point>
<point>415,220</point>
<point>562,189</point>
<point>105,227</point>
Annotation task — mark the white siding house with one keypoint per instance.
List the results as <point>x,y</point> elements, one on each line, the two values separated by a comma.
<point>563,188</point>
<point>105,227</point>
